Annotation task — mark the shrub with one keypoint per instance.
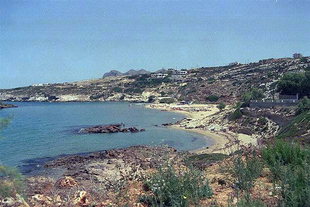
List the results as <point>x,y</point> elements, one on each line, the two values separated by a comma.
<point>290,168</point>
<point>11,182</point>
<point>303,106</point>
<point>202,161</point>
<point>295,186</point>
<point>237,114</point>
<point>117,89</point>
<point>262,121</point>
<point>253,94</point>
<point>221,106</point>
<point>293,83</point>
<point>151,99</point>
<point>298,126</point>
<point>284,153</point>
<point>178,190</point>
<point>247,201</point>
<point>167,100</point>
<point>133,90</point>
<point>211,80</point>
<point>246,171</point>
<point>212,98</point>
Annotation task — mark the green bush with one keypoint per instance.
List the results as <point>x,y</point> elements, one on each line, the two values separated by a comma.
<point>11,182</point>
<point>133,90</point>
<point>117,89</point>
<point>262,121</point>
<point>211,80</point>
<point>247,201</point>
<point>221,106</point>
<point>293,83</point>
<point>253,94</point>
<point>237,114</point>
<point>246,170</point>
<point>284,153</point>
<point>201,161</point>
<point>298,126</point>
<point>212,98</point>
<point>303,105</point>
<point>170,188</point>
<point>167,100</point>
<point>290,168</point>
<point>295,186</point>
<point>151,99</point>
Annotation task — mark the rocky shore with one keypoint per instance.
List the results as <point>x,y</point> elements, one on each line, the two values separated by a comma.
<point>117,178</point>
<point>209,121</point>
<point>99,177</point>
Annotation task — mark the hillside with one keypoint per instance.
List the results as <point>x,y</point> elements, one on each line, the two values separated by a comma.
<point>228,83</point>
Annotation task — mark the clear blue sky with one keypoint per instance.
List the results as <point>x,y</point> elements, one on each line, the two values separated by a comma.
<point>62,40</point>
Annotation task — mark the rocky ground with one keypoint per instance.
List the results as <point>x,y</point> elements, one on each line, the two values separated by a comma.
<point>97,179</point>
<point>116,178</point>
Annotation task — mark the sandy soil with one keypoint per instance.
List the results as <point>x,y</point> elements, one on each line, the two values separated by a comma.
<point>224,141</point>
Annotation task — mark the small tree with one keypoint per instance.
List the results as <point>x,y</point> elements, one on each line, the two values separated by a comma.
<point>212,98</point>
<point>221,106</point>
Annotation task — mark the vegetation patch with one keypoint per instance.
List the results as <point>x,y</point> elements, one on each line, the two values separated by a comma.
<point>290,169</point>
<point>170,188</point>
<point>167,100</point>
<point>204,160</point>
<point>11,182</point>
<point>212,98</point>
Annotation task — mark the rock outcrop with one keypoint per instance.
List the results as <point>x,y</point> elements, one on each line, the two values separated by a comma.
<point>3,106</point>
<point>112,128</point>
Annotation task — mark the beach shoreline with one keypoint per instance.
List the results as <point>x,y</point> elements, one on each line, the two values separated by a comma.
<point>197,115</point>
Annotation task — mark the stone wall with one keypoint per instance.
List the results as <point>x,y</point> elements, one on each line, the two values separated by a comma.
<point>272,103</point>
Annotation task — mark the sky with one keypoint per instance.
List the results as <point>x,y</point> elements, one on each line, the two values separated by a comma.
<point>48,41</point>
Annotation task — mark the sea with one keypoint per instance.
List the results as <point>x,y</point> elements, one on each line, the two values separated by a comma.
<point>42,130</point>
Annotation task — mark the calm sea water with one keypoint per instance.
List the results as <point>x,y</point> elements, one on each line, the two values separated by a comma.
<point>40,130</point>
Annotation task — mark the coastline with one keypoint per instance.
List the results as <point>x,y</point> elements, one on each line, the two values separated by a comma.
<point>197,118</point>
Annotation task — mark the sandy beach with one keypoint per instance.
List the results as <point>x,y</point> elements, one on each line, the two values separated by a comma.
<point>199,117</point>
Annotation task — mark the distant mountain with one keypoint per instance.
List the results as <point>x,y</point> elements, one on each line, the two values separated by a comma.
<point>112,73</point>
<point>136,72</point>
<point>128,73</point>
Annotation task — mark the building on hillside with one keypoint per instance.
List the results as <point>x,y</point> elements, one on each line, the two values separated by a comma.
<point>297,55</point>
<point>182,72</point>
<point>177,77</point>
<point>233,64</point>
<point>289,97</point>
<point>172,70</point>
<point>159,75</point>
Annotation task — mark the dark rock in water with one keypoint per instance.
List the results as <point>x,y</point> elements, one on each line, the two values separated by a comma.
<point>3,106</point>
<point>112,128</point>
<point>167,124</point>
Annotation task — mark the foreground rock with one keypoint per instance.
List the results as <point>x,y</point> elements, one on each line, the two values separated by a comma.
<point>112,128</point>
<point>99,177</point>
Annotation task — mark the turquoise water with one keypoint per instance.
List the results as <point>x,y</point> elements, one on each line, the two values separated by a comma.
<point>40,130</point>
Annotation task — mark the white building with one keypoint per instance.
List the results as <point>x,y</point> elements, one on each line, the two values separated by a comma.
<point>159,75</point>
